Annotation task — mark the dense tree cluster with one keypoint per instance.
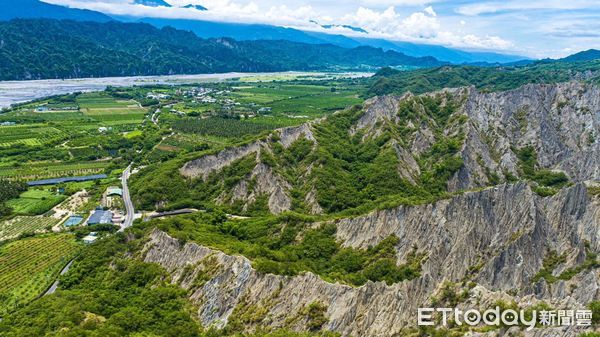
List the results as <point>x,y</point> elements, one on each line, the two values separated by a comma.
<point>9,190</point>
<point>388,80</point>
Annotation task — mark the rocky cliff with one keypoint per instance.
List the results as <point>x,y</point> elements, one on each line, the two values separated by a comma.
<point>496,198</point>
<point>558,124</point>
<point>497,239</point>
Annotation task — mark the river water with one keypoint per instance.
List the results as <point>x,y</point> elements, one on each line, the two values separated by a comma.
<point>12,92</point>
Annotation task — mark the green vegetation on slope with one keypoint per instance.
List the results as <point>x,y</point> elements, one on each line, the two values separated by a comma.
<point>107,293</point>
<point>91,49</point>
<point>350,173</point>
<point>388,81</point>
<point>547,182</point>
<point>285,245</point>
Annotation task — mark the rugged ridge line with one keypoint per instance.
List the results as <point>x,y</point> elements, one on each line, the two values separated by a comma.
<point>506,231</point>
<point>560,122</point>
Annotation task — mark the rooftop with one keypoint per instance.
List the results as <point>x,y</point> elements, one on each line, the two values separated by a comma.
<point>55,181</point>
<point>100,217</point>
<point>90,239</point>
<point>112,190</point>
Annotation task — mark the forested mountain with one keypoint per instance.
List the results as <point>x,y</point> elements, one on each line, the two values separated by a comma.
<point>388,80</point>
<point>36,49</point>
<point>10,9</point>
<point>242,32</point>
<point>248,32</point>
<point>586,55</point>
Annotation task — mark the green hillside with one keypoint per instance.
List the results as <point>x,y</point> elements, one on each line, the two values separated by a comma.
<point>37,49</point>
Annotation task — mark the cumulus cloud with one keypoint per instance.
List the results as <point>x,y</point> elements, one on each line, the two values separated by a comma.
<point>419,26</point>
<point>422,26</point>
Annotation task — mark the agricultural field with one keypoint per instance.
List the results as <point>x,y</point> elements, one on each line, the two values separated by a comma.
<point>294,99</point>
<point>35,202</point>
<point>30,135</point>
<point>18,225</point>
<point>110,111</point>
<point>236,110</point>
<point>41,170</point>
<point>91,133</point>
<point>225,127</point>
<point>29,266</point>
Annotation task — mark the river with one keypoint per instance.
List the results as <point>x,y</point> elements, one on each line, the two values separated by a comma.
<point>12,92</point>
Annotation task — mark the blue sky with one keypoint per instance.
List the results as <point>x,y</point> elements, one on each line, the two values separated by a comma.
<point>535,28</point>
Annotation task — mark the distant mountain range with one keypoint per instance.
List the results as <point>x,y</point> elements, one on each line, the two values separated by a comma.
<point>208,29</point>
<point>44,48</point>
<point>251,32</point>
<point>161,3</point>
<point>10,9</point>
<point>198,7</point>
<point>587,55</point>
<point>152,3</point>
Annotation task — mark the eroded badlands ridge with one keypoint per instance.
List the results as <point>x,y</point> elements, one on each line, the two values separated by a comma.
<point>497,238</point>
<point>559,123</point>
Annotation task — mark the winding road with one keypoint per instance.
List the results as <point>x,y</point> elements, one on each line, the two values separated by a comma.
<point>54,286</point>
<point>130,210</point>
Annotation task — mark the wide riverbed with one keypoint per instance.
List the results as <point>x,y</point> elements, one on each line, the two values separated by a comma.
<point>12,92</point>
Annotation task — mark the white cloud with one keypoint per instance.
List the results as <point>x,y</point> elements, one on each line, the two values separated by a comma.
<point>399,3</point>
<point>423,26</point>
<point>429,10</point>
<point>495,7</point>
<point>420,26</point>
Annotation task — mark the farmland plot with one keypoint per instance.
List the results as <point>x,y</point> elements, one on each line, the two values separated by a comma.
<point>12,228</point>
<point>43,170</point>
<point>29,266</point>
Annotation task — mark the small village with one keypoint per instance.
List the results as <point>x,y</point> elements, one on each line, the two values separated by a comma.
<point>75,213</point>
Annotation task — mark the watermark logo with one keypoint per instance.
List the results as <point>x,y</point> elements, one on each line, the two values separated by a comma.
<point>508,317</point>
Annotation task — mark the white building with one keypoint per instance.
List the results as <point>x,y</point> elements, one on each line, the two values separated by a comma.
<point>90,239</point>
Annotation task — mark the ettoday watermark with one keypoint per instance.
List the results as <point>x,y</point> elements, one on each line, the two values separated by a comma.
<point>508,317</point>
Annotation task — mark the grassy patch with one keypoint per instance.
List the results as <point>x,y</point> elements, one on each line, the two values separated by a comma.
<point>35,202</point>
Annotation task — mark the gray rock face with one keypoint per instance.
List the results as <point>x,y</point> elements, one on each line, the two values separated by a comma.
<point>506,231</point>
<point>371,310</point>
<point>204,166</point>
<point>289,135</point>
<point>264,182</point>
<point>560,121</point>
<point>378,110</point>
<point>499,237</point>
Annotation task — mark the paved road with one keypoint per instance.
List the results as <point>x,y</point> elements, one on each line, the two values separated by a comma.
<point>154,117</point>
<point>55,284</point>
<point>130,215</point>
